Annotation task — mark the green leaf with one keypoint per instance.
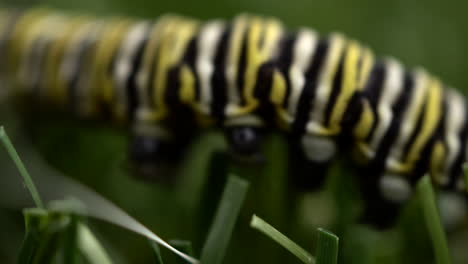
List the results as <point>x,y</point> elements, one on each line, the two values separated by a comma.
<point>327,247</point>
<point>21,168</point>
<point>70,243</point>
<point>157,252</point>
<point>270,231</point>
<point>220,233</point>
<point>431,215</point>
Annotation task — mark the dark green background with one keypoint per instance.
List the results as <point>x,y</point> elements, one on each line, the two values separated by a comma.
<point>433,34</point>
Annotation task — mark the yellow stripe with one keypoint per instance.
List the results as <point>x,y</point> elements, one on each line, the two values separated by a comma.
<point>254,58</point>
<point>437,162</point>
<point>277,97</point>
<point>101,82</point>
<point>172,49</point>
<point>20,34</point>
<point>257,56</point>
<point>144,113</point>
<point>432,114</point>
<point>349,86</point>
<point>364,125</point>
<point>367,64</point>
<point>324,89</point>
<point>366,120</point>
<point>58,91</point>
<point>40,29</point>
<point>109,48</point>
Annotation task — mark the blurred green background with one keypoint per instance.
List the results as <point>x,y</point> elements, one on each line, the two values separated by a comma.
<point>428,33</point>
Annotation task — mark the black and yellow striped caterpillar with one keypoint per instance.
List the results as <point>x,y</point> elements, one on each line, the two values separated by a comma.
<point>169,77</point>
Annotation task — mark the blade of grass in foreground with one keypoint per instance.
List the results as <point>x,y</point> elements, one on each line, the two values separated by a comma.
<point>327,247</point>
<point>90,246</point>
<point>267,229</point>
<point>431,215</point>
<point>21,168</point>
<point>96,206</point>
<point>156,251</point>
<point>231,202</point>
<point>33,220</point>
<point>184,246</point>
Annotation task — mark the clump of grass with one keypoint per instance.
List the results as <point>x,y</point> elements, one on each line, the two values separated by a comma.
<point>58,232</point>
<point>327,247</point>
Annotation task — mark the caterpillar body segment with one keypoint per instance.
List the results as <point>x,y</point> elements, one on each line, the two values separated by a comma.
<point>166,79</point>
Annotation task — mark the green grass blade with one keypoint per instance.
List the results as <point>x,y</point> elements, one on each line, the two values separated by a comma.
<point>431,215</point>
<point>184,246</point>
<point>70,242</point>
<point>46,229</point>
<point>218,238</point>
<point>327,247</point>
<point>90,247</point>
<point>29,247</point>
<point>21,168</point>
<point>156,251</point>
<point>270,231</point>
<point>33,219</point>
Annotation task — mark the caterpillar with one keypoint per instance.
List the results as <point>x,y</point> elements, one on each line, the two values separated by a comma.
<point>167,78</point>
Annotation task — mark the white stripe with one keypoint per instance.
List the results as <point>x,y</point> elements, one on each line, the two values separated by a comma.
<point>392,88</point>
<point>69,64</point>
<point>407,127</point>
<point>124,62</point>
<point>325,83</point>
<point>454,124</point>
<point>304,48</point>
<point>232,63</point>
<point>207,46</point>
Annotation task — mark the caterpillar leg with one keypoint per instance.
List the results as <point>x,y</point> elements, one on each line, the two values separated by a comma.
<point>309,160</point>
<point>156,155</point>
<point>382,201</point>
<point>245,143</point>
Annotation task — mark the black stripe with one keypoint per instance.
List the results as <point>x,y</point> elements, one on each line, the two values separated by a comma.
<point>457,169</point>
<point>131,82</point>
<point>242,66</point>
<point>373,91</point>
<point>308,93</point>
<point>39,61</point>
<point>336,89</point>
<point>398,109</point>
<point>173,84</point>
<point>153,68</point>
<point>417,128</point>
<point>190,59</point>
<point>284,61</point>
<point>423,164</point>
<point>73,83</point>
<point>218,80</point>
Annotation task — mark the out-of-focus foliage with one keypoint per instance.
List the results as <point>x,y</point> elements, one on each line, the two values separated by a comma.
<point>432,33</point>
